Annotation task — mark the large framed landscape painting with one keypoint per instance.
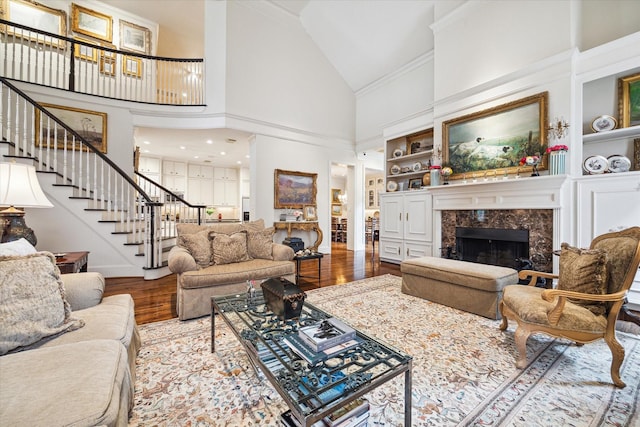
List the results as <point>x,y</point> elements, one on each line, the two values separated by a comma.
<point>293,190</point>
<point>91,125</point>
<point>497,139</point>
<point>629,100</point>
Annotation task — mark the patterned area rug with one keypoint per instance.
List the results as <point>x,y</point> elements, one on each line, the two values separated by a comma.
<point>463,370</point>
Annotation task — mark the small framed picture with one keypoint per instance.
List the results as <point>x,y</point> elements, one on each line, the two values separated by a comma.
<point>91,23</point>
<point>84,52</point>
<point>336,209</point>
<point>415,183</point>
<point>309,213</point>
<point>132,66</point>
<point>135,38</point>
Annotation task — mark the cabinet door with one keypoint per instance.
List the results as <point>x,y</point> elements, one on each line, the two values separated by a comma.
<point>225,173</point>
<point>391,250</point>
<point>417,224</point>
<point>149,165</point>
<point>200,192</point>
<point>174,183</point>
<point>200,171</point>
<point>225,193</point>
<point>416,250</point>
<point>391,216</point>
<point>173,168</point>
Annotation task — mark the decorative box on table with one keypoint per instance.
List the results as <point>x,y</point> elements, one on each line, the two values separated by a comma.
<point>283,298</point>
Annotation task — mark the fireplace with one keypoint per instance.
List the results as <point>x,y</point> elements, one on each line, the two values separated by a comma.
<point>495,246</point>
<point>536,223</point>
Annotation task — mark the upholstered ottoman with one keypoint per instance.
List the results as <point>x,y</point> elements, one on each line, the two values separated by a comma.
<point>468,286</point>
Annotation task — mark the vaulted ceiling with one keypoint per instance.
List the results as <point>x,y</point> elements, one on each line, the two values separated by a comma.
<point>365,40</point>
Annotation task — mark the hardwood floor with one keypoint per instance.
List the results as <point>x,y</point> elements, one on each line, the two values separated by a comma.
<point>155,300</point>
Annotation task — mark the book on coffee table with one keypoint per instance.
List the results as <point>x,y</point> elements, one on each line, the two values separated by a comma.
<point>326,333</point>
<point>302,349</point>
<point>351,414</point>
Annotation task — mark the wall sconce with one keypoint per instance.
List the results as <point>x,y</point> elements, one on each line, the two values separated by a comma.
<point>343,198</point>
<point>19,186</point>
<point>558,129</point>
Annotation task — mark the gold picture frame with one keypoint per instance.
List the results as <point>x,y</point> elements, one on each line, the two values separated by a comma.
<point>84,52</point>
<point>309,213</point>
<point>132,66</point>
<point>336,209</point>
<point>294,190</point>
<point>34,15</point>
<point>108,61</point>
<point>91,23</point>
<point>497,138</point>
<point>135,38</point>
<point>629,100</point>
<point>335,195</point>
<point>91,125</point>
<point>636,154</point>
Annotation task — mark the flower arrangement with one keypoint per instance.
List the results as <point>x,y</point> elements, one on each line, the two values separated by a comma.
<point>297,214</point>
<point>558,147</point>
<point>529,160</point>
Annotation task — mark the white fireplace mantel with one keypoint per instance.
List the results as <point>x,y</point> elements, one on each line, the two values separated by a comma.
<point>540,192</point>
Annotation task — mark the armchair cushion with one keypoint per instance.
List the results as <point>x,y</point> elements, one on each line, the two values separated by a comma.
<point>531,308</point>
<point>32,301</point>
<point>585,271</point>
<point>229,249</point>
<point>198,245</point>
<point>260,243</point>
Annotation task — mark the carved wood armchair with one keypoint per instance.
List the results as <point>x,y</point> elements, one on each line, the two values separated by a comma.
<point>578,316</point>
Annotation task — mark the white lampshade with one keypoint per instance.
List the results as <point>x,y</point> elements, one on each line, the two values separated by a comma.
<point>19,187</point>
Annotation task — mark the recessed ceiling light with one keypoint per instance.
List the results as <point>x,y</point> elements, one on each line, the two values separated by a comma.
<point>182,147</point>
<point>146,142</point>
<point>239,162</point>
<point>222,153</point>
<point>146,151</point>
<point>196,157</point>
<point>209,141</point>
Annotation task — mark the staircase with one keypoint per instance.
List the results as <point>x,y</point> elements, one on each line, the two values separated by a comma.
<point>131,214</point>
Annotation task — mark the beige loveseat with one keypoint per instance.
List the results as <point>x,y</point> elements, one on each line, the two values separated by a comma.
<point>68,354</point>
<point>219,258</point>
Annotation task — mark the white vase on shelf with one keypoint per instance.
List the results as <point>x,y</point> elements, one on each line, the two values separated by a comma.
<point>557,162</point>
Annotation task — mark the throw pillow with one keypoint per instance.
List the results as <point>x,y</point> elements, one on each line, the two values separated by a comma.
<point>32,301</point>
<point>199,246</point>
<point>17,247</point>
<point>257,225</point>
<point>228,249</point>
<point>260,243</point>
<point>584,270</point>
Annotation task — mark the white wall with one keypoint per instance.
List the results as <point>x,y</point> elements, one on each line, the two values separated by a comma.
<point>269,153</point>
<point>276,74</point>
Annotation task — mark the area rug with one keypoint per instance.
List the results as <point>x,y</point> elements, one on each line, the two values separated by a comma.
<point>463,370</point>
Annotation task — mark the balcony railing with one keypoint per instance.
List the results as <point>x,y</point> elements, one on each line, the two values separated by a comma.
<point>42,58</point>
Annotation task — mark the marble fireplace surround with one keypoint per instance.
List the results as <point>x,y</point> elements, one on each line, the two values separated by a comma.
<point>533,203</point>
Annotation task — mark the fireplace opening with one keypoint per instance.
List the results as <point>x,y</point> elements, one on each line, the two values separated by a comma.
<point>494,246</point>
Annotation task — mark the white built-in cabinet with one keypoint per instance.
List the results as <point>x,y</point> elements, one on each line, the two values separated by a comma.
<point>225,187</point>
<point>150,167</point>
<point>406,229</point>
<point>174,176</point>
<point>200,185</point>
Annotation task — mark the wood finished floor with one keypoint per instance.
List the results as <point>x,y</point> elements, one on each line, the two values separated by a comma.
<point>155,300</point>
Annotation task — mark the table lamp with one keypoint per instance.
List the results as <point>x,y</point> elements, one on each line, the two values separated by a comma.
<point>19,186</point>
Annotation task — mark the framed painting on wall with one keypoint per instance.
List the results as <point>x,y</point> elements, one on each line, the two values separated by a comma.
<point>629,100</point>
<point>310,214</point>
<point>91,23</point>
<point>132,66</point>
<point>335,195</point>
<point>84,52</point>
<point>90,125</point>
<point>135,38</point>
<point>336,209</point>
<point>497,138</point>
<point>34,15</point>
<point>293,190</point>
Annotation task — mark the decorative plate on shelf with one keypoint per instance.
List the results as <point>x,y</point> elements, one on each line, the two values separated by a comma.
<point>417,167</point>
<point>603,124</point>
<point>618,163</point>
<point>595,165</point>
<point>392,186</point>
<point>397,152</point>
<point>395,170</point>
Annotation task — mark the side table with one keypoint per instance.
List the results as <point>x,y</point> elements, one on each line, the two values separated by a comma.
<point>72,262</point>
<point>299,258</point>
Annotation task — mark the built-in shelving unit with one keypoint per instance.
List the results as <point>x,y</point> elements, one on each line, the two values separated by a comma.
<point>407,160</point>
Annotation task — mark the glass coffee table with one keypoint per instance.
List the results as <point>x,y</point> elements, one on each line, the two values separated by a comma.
<point>310,391</point>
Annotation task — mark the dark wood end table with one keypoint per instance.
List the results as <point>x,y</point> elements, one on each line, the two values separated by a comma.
<point>299,258</point>
<point>73,262</point>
